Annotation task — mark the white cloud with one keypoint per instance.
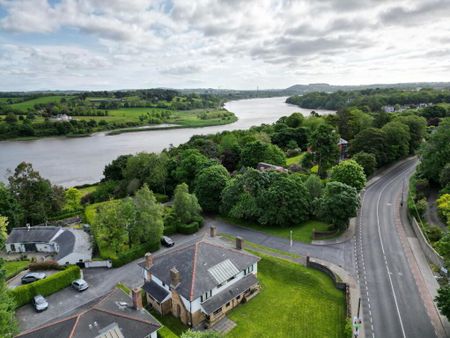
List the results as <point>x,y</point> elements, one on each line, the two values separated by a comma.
<point>228,43</point>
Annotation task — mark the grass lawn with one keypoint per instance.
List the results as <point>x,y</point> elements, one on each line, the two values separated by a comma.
<point>173,324</point>
<point>294,302</point>
<point>295,159</point>
<point>43,99</point>
<point>13,268</point>
<point>87,190</point>
<point>300,233</point>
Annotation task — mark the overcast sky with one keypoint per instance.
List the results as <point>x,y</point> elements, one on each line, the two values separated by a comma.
<point>119,44</point>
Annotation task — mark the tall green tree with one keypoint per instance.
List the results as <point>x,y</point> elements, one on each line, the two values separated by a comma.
<point>397,139</point>
<point>189,163</point>
<point>417,129</point>
<point>443,300</point>
<point>8,323</point>
<point>372,141</point>
<point>36,195</point>
<point>209,185</point>
<point>73,199</point>
<point>10,208</point>
<point>185,205</point>
<point>324,142</point>
<point>367,161</point>
<point>338,204</point>
<point>148,225</point>
<point>349,172</point>
<point>114,170</point>
<point>257,151</point>
<point>435,153</point>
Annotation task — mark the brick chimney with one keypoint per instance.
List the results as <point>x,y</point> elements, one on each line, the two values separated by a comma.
<point>175,277</point>
<point>213,231</point>
<point>239,242</point>
<point>136,296</point>
<point>148,260</point>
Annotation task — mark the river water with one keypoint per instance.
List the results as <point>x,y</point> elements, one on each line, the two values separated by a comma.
<point>75,161</point>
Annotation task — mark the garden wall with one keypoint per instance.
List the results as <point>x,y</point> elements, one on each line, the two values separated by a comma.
<point>427,249</point>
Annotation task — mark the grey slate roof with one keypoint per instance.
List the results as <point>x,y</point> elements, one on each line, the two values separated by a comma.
<point>229,293</point>
<point>37,234</point>
<point>66,242</point>
<point>132,323</point>
<point>193,262</point>
<point>155,290</point>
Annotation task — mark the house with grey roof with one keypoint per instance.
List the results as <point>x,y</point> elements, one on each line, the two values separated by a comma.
<point>200,282</point>
<point>114,315</point>
<point>65,245</point>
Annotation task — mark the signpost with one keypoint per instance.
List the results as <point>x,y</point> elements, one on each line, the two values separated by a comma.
<point>290,237</point>
<point>357,322</point>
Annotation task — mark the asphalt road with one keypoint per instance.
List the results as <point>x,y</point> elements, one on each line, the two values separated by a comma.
<point>391,302</point>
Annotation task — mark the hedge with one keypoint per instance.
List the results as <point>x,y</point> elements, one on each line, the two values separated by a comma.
<point>46,265</point>
<point>188,229</point>
<point>170,229</point>
<point>24,294</point>
<point>134,253</point>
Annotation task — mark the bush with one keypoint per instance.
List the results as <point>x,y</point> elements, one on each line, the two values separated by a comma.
<point>24,294</point>
<point>188,229</point>
<point>134,253</point>
<point>421,207</point>
<point>434,234</point>
<point>170,229</point>
<point>47,265</point>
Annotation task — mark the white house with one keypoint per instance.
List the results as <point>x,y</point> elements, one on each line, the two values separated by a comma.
<point>66,246</point>
<point>200,282</point>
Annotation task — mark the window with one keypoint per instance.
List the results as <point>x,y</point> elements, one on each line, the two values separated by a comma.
<point>228,304</point>
<point>205,296</point>
<point>217,311</point>
<point>248,270</point>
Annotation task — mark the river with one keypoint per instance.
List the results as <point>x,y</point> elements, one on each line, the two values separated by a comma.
<point>76,161</point>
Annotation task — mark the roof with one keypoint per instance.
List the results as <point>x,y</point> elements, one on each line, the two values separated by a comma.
<point>199,265</point>
<point>98,319</point>
<point>342,141</point>
<point>66,243</point>
<point>229,293</point>
<point>37,234</point>
<point>156,291</point>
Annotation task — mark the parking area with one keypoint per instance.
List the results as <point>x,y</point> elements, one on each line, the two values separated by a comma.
<point>15,281</point>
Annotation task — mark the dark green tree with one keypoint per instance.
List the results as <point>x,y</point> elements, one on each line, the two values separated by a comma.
<point>397,139</point>
<point>209,185</point>
<point>114,170</point>
<point>443,300</point>
<point>338,204</point>
<point>324,142</point>
<point>10,208</point>
<point>417,129</point>
<point>257,151</point>
<point>373,141</point>
<point>185,205</point>
<point>367,161</point>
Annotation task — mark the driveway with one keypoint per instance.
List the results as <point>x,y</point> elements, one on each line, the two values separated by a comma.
<point>101,280</point>
<point>15,281</point>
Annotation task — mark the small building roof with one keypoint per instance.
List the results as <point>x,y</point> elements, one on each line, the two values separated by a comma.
<point>155,290</point>
<point>229,293</point>
<point>113,312</point>
<point>199,265</point>
<point>66,243</point>
<point>342,141</point>
<point>36,234</point>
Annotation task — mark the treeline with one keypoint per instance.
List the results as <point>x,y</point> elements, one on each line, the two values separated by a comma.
<point>369,99</point>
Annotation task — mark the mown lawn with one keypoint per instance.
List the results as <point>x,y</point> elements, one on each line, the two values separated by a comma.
<point>295,159</point>
<point>294,302</point>
<point>173,325</point>
<point>24,106</point>
<point>300,233</point>
<point>13,268</point>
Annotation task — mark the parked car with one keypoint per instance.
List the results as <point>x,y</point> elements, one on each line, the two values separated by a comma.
<point>40,303</point>
<point>33,277</point>
<point>80,285</point>
<point>167,241</point>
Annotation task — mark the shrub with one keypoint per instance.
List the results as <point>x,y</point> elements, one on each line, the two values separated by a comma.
<point>47,265</point>
<point>421,207</point>
<point>24,294</point>
<point>188,229</point>
<point>134,253</point>
<point>434,234</point>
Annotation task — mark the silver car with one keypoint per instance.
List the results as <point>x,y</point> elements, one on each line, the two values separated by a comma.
<point>33,277</point>
<point>80,284</point>
<point>40,303</point>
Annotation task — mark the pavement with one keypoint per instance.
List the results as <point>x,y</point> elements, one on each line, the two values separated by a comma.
<point>16,280</point>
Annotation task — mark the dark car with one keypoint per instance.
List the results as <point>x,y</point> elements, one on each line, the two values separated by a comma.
<point>167,241</point>
<point>33,277</point>
<point>40,303</point>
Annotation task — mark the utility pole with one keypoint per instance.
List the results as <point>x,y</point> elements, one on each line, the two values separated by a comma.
<point>403,192</point>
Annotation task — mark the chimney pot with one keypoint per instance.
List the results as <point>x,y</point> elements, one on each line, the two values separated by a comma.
<point>213,231</point>
<point>137,298</point>
<point>175,277</point>
<point>239,242</point>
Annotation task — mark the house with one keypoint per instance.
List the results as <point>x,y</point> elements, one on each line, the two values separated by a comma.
<point>200,282</point>
<point>342,145</point>
<point>65,245</point>
<point>62,118</point>
<point>115,315</point>
<point>262,166</point>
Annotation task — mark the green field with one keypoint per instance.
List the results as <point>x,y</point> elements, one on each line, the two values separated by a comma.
<point>295,159</point>
<point>24,106</point>
<point>300,233</point>
<point>13,268</point>
<point>295,301</point>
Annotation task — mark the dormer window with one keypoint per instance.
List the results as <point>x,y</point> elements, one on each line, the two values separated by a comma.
<point>205,296</point>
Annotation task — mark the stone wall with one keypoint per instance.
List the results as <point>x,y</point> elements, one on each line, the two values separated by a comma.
<point>427,249</point>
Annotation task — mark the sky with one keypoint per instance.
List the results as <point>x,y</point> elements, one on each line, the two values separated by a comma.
<point>239,44</point>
